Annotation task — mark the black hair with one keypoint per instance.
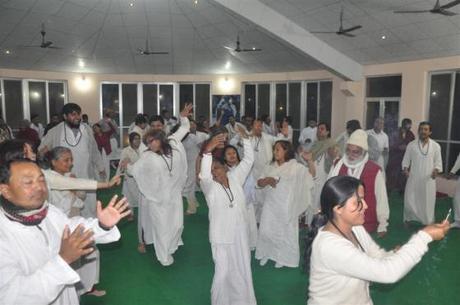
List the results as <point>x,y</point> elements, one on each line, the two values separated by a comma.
<point>288,147</point>
<point>425,123</point>
<point>5,168</point>
<point>155,118</point>
<point>287,119</point>
<point>406,121</point>
<point>264,117</point>
<point>132,135</point>
<point>96,125</point>
<point>12,150</point>
<point>71,107</point>
<point>353,125</point>
<point>336,191</point>
<point>159,135</point>
<point>33,116</point>
<point>219,161</point>
<point>227,147</point>
<point>84,115</point>
<point>140,119</point>
<point>217,130</point>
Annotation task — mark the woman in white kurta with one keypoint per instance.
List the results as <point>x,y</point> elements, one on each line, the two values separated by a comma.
<point>228,226</point>
<point>160,174</point>
<point>343,258</point>
<point>422,161</point>
<point>286,187</point>
<point>70,203</point>
<point>232,160</point>
<point>192,145</point>
<point>456,201</point>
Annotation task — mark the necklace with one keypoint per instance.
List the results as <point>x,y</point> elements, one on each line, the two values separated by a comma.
<point>170,168</point>
<point>343,234</point>
<point>421,150</point>
<point>229,194</point>
<point>79,136</point>
<point>257,144</point>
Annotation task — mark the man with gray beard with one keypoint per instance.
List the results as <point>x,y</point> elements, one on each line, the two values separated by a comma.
<point>356,163</point>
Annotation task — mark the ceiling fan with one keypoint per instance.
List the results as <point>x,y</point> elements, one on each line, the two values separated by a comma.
<point>146,50</point>
<point>341,31</point>
<point>238,48</point>
<point>437,9</point>
<point>45,44</point>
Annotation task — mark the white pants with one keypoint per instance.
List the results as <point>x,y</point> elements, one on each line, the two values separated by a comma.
<point>232,282</point>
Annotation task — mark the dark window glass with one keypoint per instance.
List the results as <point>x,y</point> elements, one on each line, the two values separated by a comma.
<point>37,100</point>
<point>372,112</point>
<point>13,102</point>
<point>150,99</point>
<point>391,117</point>
<point>281,102</point>
<point>325,103</point>
<point>312,101</point>
<point>250,100</point>
<point>202,100</point>
<point>439,105</point>
<point>263,99</point>
<point>129,93</point>
<point>455,126</point>
<point>185,94</point>
<point>111,100</point>
<point>294,104</point>
<point>56,97</point>
<point>385,86</point>
<point>167,98</point>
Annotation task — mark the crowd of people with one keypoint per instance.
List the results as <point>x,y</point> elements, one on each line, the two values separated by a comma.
<point>259,189</point>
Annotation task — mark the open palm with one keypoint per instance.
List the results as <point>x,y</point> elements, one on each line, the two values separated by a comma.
<point>115,210</point>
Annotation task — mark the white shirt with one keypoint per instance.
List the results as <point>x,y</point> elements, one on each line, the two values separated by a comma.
<point>456,166</point>
<point>383,143</point>
<point>308,133</point>
<point>340,272</point>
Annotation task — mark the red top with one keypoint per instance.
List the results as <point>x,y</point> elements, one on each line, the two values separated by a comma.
<point>368,176</point>
<point>103,140</point>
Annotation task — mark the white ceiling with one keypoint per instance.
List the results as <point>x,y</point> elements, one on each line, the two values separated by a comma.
<point>105,35</point>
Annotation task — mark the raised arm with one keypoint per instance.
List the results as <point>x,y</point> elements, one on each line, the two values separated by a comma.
<point>206,161</point>
<point>184,123</point>
<point>244,167</point>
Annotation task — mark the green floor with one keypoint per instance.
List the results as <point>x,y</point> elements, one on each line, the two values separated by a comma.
<point>131,278</point>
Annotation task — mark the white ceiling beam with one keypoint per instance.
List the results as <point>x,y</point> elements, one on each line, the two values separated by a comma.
<point>285,29</point>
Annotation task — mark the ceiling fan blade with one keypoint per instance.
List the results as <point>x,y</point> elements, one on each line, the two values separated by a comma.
<point>251,50</point>
<point>322,32</point>
<point>158,53</point>
<point>446,12</point>
<point>346,34</point>
<point>351,29</point>
<point>411,12</point>
<point>450,4</point>
<point>229,48</point>
<point>53,47</point>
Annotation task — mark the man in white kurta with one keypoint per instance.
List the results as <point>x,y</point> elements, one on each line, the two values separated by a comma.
<point>421,163</point>
<point>456,201</point>
<point>80,140</point>
<point>160,180</point>
<point>34,267</point>
<point>382,141</point>
<point>308,135</point>
<point>228,232</point>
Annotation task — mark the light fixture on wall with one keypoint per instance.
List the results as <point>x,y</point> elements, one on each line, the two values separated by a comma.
<point>226,85</point>
<point>82,83</point>
<point>81,63</point>
<point>228,65</point>
<point>434,93</point>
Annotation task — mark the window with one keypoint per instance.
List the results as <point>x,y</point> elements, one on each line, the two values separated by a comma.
<point>199,95</point>
<point>250,100</point>
<point>263,99</point>
<point>294,110</point>
<point>281,102</point>
<point>383,95</point>
<point>444,97</point>
<point>312,101</point>
<point>12,98</point>
<point>166,98</point>
<point>150,99</point>
<point>56,97</point>
<point>37,100</point>
<point>319,101</point>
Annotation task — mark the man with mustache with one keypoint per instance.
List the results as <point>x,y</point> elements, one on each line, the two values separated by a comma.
<point>356,163</point>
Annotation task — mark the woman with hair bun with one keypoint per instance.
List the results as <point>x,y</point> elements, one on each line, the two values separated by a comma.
<point>342,256</point>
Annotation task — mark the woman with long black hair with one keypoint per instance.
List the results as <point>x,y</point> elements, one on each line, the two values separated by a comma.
<point>342,256</point>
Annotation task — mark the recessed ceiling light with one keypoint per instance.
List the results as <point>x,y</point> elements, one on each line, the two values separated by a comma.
<point>195,2</point>
<point>7,52</point>
<point>131,4</point>
<point>228,64</point>
<point>434,93</point>
<point>383,37</point>
<point>81,63</point>
<point>253,48</point>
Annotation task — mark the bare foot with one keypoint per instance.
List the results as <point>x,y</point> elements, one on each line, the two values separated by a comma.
<point>141,248</point>
<point>96,293</point>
